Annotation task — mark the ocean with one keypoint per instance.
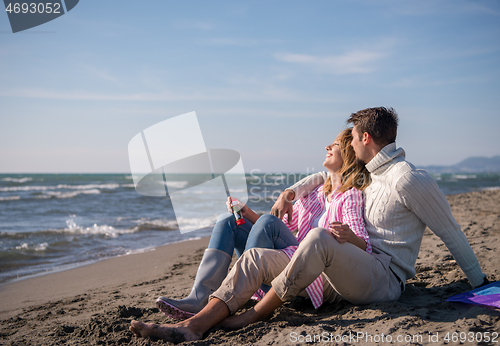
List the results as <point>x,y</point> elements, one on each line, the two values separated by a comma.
<point>52,222</point>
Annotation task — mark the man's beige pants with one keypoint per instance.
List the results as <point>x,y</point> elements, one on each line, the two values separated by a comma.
<point>348,272</point>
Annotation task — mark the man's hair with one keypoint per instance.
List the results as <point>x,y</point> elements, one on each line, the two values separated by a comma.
<point>381,123</point>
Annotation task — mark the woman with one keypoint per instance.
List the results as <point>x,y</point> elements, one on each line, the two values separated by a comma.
<point>337,205</point>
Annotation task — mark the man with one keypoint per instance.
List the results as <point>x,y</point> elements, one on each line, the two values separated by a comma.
<point>400,202</point>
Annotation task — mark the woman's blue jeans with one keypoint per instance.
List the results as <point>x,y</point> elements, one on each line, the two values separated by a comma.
<point>268,232</point>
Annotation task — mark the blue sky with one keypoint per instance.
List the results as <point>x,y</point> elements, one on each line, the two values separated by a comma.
<point>274,80</point>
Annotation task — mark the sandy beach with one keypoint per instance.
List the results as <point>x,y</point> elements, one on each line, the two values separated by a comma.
<point>94,304</point>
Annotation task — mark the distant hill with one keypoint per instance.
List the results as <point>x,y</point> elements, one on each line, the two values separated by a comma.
<point>469,165</point>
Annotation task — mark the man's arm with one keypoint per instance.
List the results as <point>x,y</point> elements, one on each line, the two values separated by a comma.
<point>421,194</point>
<point>305,186</point>
<point>302,188</point>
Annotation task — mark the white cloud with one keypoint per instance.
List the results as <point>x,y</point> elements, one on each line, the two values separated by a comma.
<point>238,42</point>
<point>99,73</point>
<point>432,7</point>
<point>352,62</point>
<point>193,24</point>
<point>273,113</point>
<point>237,9</point>
<point>252,93</point>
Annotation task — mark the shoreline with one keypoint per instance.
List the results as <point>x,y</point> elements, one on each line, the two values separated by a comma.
<point>115,271</point>
<point>94,304</point>
<point>77,265</point>
<point>41,243</point>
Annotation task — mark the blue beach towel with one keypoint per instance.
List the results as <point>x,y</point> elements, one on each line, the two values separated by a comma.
<point>486,295</point>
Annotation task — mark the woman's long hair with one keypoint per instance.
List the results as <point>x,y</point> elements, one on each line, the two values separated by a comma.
<point>353,173</point>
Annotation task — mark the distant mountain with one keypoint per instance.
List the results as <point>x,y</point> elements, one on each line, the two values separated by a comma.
<point>469,165</point>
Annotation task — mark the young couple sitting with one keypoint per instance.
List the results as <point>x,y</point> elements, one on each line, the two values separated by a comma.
<point>344,248</point>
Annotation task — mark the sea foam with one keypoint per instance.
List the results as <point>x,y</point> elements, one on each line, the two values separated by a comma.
<point>18,180</point>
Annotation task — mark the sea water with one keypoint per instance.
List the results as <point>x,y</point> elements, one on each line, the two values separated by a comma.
<point>52,222</point>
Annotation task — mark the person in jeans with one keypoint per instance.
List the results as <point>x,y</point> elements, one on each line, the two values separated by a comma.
<point>333,201</point>
<point>266,231</point>
<point>399,203</point>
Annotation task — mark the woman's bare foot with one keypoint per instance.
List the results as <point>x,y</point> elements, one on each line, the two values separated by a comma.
<point>169,332</point>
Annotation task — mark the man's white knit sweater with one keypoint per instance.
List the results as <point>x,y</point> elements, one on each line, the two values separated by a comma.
<point>400,201</point>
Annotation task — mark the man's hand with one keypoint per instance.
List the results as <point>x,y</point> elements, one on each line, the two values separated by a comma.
<point>283,205</point>
<point>341,232</point>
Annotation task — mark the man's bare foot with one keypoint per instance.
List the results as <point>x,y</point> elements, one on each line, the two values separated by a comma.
<point>169,332</point>
<point>237,321</point>
<point>264,308</point>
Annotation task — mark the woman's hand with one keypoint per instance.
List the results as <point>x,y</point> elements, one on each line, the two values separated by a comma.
<point>243,207</point>
<point>341,232</point>
<point>246,212</point>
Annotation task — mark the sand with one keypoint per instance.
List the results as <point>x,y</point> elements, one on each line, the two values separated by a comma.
<point>94,304</point>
